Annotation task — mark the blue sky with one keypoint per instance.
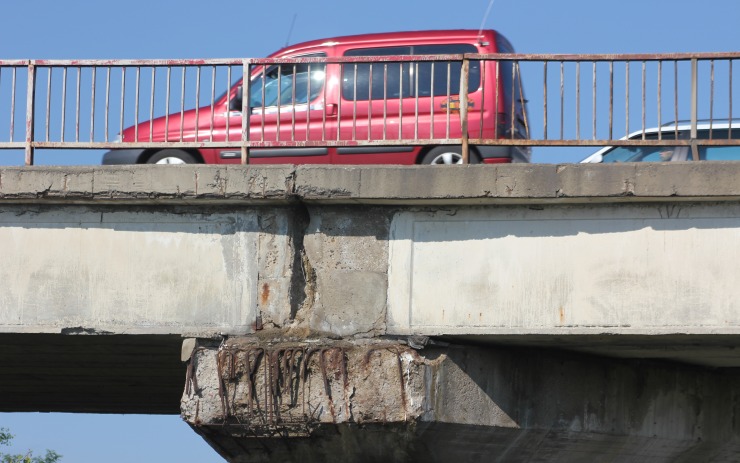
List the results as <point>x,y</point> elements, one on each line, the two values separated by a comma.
<point>53,29</point>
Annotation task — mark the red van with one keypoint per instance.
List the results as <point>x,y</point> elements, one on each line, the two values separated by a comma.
<point>370,110</point>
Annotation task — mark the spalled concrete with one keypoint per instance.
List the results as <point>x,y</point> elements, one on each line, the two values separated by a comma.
<point>388,402</point>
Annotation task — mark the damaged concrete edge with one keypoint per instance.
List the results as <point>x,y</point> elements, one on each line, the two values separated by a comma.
<point>276,184</point>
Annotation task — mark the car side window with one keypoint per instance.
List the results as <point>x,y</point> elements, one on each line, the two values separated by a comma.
<point>719,153</point>
<point>288,84</point>
<point>403,79</point>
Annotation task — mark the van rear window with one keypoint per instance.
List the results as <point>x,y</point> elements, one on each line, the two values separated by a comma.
<point>364,81</point>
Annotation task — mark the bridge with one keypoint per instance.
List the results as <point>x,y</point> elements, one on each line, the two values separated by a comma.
<point>519,312</point>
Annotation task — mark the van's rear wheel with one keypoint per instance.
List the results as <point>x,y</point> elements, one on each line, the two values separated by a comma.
<point>447,155</point>
<point>171,156</point>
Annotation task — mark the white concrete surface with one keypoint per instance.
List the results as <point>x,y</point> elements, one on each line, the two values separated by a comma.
<point>641,269</point>
<point>127,272</point>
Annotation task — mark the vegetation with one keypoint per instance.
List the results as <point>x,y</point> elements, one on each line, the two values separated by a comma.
<point>5,439</point>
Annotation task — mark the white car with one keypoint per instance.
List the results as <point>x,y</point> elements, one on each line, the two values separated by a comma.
<point>673,131</point>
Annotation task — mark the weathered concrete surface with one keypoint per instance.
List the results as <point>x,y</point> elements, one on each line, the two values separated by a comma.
<point>313,401</point>
<point>474,184</point>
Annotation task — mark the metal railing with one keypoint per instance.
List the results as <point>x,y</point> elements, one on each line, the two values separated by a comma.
<point>520,100</point>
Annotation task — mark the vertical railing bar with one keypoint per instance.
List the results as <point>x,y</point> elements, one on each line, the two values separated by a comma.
<point>228,103</point>
<point>449,102</point>
<point>197,101</point>
<point>660,91</point>
<point>293,103</point>
<point>213,97</point>
<point>513,99</point>
<point>370,101</point>
<point>675,100</point>
<point>521,99</point>
<point>308,103</point>
<point>729,120</point>
<point>64,101</point>
<point>151,104</point>
<point>107,101</point>
<point>123,91</point>
<point>694,106</point>
<point>264,91</point>
<point>279,101</point>
<point>136,103</point>
<point>644,98</point>
<point>499,87</point>
<point>247,110</point>
<point>354,103</point>
<point>12,105</point>
<point>416,100</point>
<point>340,89</point>
<point>562,98</point>
<point>323,112</point>
<point>482,67</point>
<point>626,98</point>
<point>48,102</point>
<point>400,101</point>
<point>694,97</point>
<point>92,103</point>
<point>182,102</point>
<point>77,105</point>
<point>30,103</point>
<point>711,98</point>
<point>431,103</point>
<point>464,72</point>
<point>385,100</point>
<point>611,100</point>
<point>167,105</point>
<point>593,98</point>
<point>578,100</point>
<point>544,100</point>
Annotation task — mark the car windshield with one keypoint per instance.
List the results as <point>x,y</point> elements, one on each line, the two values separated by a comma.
<point>287,84</point>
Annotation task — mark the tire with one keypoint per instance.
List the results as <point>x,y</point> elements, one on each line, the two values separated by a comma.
<point>448,155</point>
<point>171,156</point>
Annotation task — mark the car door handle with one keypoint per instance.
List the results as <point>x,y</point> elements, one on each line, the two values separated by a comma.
<point>331,110</point>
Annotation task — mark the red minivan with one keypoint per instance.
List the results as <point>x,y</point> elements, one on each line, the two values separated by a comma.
<point>370,106</point>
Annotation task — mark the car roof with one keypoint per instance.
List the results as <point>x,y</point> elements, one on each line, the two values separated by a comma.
<point>389,38</point>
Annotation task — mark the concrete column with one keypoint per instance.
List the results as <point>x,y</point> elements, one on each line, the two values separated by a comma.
<point>379,400</point>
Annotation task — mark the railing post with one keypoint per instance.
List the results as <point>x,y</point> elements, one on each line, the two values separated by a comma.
<point>694,104</point>
<point>246,111</point>
<point>30,102</point>
<point>464,110</point>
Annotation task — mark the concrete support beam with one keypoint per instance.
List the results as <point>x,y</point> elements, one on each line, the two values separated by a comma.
<point>384,401</point>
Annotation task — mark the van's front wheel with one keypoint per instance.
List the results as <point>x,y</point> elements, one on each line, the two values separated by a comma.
<point>447,155</point>
<point>171,156</point>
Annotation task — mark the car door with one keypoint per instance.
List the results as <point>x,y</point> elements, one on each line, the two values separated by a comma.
<point>287,104</point>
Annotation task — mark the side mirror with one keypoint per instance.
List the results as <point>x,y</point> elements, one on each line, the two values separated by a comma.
<point>235,104</point>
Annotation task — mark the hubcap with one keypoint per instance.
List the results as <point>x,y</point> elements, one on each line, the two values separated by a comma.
<point>170,160</point>
<point>448,158</point>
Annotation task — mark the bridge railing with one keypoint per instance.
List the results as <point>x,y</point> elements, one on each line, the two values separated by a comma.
<point>503,99</point>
